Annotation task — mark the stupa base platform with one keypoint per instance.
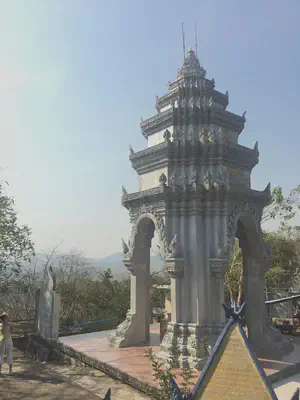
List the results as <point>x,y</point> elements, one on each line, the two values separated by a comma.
<point>131,366</point>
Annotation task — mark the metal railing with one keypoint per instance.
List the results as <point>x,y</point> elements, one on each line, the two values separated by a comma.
<point>69,329</point>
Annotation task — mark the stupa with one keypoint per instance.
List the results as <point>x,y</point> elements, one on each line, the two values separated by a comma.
<point>195,192</point>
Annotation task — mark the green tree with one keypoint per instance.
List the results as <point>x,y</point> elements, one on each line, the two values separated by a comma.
<point>284,267</point>
<point>16,246</point>
<point>282,207</point>
<point>234,276</point>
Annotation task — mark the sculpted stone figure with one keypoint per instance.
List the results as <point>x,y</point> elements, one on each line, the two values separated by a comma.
<point>207,180</point>
<point>172,250</point>
<point>194,178</point>
<point>172,179</point>
<point>162,180</point>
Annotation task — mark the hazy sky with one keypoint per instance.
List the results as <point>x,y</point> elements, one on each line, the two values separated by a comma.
<point>77,75</point>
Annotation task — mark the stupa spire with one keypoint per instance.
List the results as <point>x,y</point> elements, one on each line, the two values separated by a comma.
<point>191,66</point>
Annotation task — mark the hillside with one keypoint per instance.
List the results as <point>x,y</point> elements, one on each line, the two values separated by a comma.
<point>113,261</point>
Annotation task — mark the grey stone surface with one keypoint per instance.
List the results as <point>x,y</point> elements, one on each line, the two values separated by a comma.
<point>205,202</point>
<point>48,307</point>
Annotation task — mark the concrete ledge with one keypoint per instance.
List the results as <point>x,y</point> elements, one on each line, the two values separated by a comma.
<point>69,354</point>
<point>37,348</point>
<point>285,373</point>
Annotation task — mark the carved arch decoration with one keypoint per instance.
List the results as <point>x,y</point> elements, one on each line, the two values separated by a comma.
<point>159,224</point>
<point>249,212</point>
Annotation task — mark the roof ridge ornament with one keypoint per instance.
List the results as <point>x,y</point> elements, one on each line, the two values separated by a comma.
<point>236,312</point>
<point>131,151</point>
<point>124,191</point>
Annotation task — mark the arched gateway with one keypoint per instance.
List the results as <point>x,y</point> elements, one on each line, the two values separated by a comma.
<point>195,191</point>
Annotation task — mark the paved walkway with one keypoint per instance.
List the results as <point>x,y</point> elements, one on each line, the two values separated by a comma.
<point>287,387</point>
<point>34,380</point>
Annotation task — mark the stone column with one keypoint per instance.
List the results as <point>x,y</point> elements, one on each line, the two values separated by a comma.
<point>135,330</point>
<point>175,268</point>
<point>218,268</point>
<point>255,313</point>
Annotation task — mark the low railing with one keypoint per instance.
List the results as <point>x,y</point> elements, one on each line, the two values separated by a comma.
<point>76,328</point>
<point>23,327</point>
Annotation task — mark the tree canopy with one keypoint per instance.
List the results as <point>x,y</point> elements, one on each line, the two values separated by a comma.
<point>285,242</point>
<point>15,240</point>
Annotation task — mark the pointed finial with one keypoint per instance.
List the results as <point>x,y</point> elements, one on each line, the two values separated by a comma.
<point>296,395</point>
<point>213,82</point>
<point>256,146</point>
<point>176,393</point>
<point>124,247</point>
<point>196,39</point>
<point>131,151</point>
<point>227,93</point>
<point>268,187</point>
<point>124,191</point>
<point>183,40</point>
<point>244,115</point>
<point>108,395</point>
<point>236,312</point>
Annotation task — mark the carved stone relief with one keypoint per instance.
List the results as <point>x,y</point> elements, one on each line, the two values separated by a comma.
<point>151,213</point>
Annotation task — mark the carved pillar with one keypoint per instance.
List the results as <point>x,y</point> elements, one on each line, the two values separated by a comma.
<point>218,268</point>
<point>135,329</point>
<point>255,313</point>
<point>175,269</point>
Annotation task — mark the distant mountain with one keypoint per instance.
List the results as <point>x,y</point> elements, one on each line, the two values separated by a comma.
<point>113,261</point>
<point>115,257</point>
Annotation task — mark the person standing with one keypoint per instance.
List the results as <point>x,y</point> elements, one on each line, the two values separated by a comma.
<point>6,344</point>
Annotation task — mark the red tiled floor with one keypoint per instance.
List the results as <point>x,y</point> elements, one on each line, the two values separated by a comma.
<point>133,361</point>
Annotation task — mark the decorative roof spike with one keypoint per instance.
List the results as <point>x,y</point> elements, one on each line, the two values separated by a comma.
<point>296,395</point>
<point>213,82</point>
<point>131,151</point>
<point>124,247</point>
<point>227,93</point>
<point>173,246</point>
<point>236,312</point>
<point>108,395</point>
<point>256,146</point>
<point>268,188</point>
<point>244,115</point>
<point>124,191</point>
<point>176,393</point>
